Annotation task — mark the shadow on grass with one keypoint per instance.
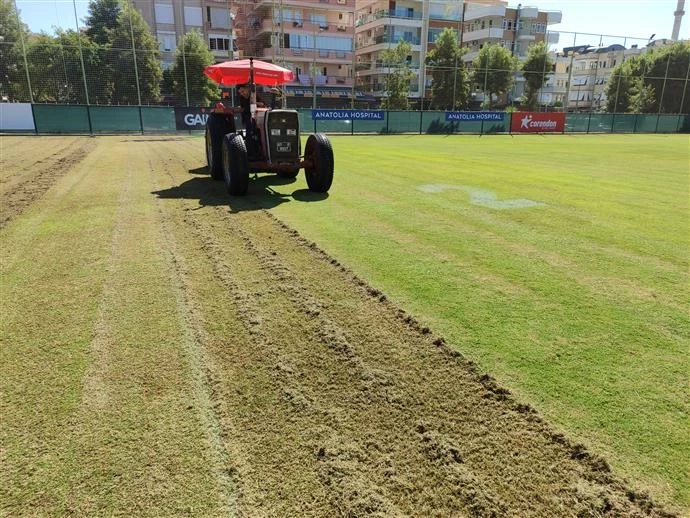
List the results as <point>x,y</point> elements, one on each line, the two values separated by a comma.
<point>260,194</point>
<point>199,170</point>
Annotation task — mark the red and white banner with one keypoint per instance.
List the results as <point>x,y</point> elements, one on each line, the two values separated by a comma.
<point>538,122</point>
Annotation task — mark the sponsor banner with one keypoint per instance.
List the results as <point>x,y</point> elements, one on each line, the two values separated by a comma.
<point>475,116</point>
<point>16,117</point>
<point>538,122</point>
<point>191,118</point>
<point>363,115</point>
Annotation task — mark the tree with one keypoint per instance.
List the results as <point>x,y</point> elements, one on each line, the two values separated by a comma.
<point>652,82</point>
<point>200,90</point>
<point>132,37</point>
<point>102,19</point>
<point>493,70</point>
<point>665,76</point>
<point>620,86</point>
<point>55,66</point>
<point>397,82</point>
<point>13,83</point>
<point>536,70</point>
<point>449,87</point>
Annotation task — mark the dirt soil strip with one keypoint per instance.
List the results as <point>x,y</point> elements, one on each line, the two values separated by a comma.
<point>333,401</point>
<point>37,172</point>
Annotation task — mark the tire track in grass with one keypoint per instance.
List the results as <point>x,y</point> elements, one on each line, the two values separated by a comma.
<point>32,181</point>
<point>137,444</point>
<point>19,154</point>
<point>203,371</point>
<point>337,402</point>
<point>486,501</point>
<point>345,461</point>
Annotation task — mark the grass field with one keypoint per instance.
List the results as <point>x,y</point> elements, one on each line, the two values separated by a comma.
<point>166,350</point>
<point>579,301</point>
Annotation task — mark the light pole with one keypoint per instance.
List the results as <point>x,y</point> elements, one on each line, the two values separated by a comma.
<point>313,70</point>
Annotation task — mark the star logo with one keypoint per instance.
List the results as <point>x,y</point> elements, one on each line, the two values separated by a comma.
<point>525,121</point>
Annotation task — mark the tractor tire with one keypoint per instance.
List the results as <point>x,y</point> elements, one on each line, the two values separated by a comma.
<point>319,153</point>
<point>292,173</point>
<point>235,164</point>
<point>216,128</point>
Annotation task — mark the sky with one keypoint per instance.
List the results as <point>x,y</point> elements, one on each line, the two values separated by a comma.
<point>636,19</point>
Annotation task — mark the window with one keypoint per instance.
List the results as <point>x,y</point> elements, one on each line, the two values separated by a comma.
<point>319,19</point>
<point>192,16</point>
<point>432,34</point>
<point>219,43</point>
<point>166,41</point>
<point>218,17</point>
<point>164,13</point>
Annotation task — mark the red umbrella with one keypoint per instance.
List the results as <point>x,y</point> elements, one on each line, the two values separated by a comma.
<point>237,73</point>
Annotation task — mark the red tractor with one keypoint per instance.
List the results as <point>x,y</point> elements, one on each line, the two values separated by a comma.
<point>257,139</point>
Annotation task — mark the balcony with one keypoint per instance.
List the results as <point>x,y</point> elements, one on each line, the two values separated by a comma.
<point>529,12</point>
<point>401,14</point>
<point>552,37</point>
<point>330,56</point>
<point>321,80</point>
<point>477,11</point>
<point>526,37</point>
<point>554,17</point>
<point>378,67</point>
<point>384,38</point>
<point>490,33</point>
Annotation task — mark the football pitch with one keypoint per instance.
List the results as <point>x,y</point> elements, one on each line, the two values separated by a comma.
<point>462,325</point>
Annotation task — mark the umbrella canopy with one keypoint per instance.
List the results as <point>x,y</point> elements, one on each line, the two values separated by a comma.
<point>237,73</point>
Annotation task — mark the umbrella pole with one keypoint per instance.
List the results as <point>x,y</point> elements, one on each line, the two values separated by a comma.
<point>252,88</point>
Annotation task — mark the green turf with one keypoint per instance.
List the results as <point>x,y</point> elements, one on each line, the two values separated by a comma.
<point>559,263</point>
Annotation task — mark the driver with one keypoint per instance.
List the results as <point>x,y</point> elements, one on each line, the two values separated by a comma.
<point>244,93</point>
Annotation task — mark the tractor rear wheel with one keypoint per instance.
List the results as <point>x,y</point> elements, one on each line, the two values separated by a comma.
<point>235,164</point>
<point>216,128</point>
<point>318,153</point>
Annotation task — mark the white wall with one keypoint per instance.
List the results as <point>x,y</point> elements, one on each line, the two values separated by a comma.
<point>16,116</point>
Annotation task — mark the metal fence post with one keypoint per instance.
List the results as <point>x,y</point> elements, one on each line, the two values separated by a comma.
<point>134,53</point>
<point>26,61</point>
<point>81,58</point>
<point>184,69</point>
<point>663,91</point>
<point>88,117</point>
<point>682,101</point>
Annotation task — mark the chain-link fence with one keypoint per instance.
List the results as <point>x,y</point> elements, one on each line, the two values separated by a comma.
<point>582,73</point>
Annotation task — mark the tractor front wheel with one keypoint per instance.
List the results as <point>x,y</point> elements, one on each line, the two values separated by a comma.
<point>318,154</point>
<point>235,164</point>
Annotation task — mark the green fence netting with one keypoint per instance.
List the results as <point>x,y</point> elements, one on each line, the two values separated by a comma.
<point>157,118</point>
<point>61,118</point>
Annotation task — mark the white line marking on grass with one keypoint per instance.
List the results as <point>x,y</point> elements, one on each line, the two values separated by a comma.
<point>481,197</point>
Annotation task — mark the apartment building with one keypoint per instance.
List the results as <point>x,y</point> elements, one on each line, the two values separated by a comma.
<point>588,72</point>
<point>313,38</point>
<point>171,19</point>
<point>334,46</point>
<point>381,24</point>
